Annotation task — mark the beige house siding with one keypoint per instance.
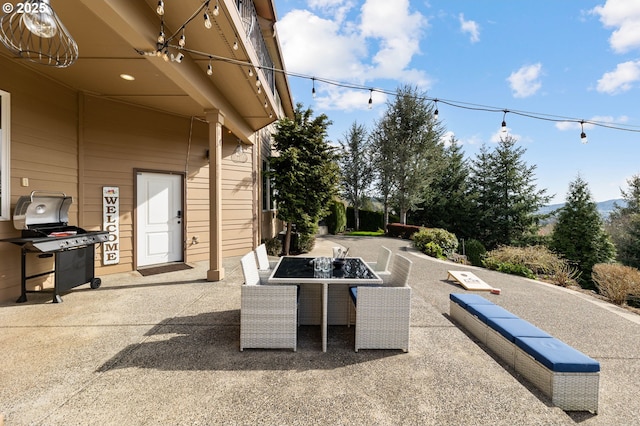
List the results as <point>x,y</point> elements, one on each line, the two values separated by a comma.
<point>77,143</point>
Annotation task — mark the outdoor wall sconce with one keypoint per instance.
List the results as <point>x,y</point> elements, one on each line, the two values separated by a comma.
<point>239,156</point>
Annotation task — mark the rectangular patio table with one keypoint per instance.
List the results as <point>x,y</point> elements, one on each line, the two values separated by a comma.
<point>300,270</point>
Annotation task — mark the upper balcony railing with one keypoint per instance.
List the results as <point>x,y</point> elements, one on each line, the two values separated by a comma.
<point>252,30</point>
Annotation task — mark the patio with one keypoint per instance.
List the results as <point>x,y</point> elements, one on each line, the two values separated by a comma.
<point>164,349</point>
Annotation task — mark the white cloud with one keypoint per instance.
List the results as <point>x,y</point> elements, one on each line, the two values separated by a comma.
<point>526,81</point>
<point>339,98</point>
<point>316,46</point>
<point>572,125</point>
<point>625,16</point>
<point>499,135</point>
<point>470,27</point>
<point>621,79</point>
<point>332,43</point>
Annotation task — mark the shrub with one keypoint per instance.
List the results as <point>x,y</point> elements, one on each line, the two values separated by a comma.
<point>474,251</point>
<point>273,246</point>
<point>508,268</point>
<point>433,250</point>
<point>539,259</point>
<point>440,237</point>
<point>616,282</point>
<point>306,242</point>
<point>401,230</point>
<point>566,274</point>
<point>337,219</point>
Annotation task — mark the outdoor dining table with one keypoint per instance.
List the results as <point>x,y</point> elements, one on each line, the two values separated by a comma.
<point>300,270</point>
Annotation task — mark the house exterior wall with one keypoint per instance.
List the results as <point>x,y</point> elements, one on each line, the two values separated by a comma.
<point>62,140</point>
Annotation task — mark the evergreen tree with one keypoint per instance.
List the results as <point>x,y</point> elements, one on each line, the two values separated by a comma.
<point>579,235</point>
<point>447,202</point>
<point>505,195</point>
<point>408,143</point>
<point>624,225</point>
<point>356,168</point>
<point>305,173</point>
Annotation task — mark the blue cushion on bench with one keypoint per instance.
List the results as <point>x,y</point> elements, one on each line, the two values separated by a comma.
<point>557,356</point>
<point>464,299</point>
<point>489,311</point>
<point>511,328</point>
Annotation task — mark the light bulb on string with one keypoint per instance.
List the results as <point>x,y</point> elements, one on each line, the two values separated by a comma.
<point>207,21</point>
<point>250,72</point>
<point>503,128</point>
<point>183,39</point>
<point>216,9</point>
<point>436,113</point>
<point>235,44</point>
<point>160,8</point>
<point>583,135</point>
<point>370,98</point>
<point>258,83</point>
<point>209,68</point>
<point>313,88</point>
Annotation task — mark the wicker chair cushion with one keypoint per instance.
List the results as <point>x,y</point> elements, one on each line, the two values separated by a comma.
<point>353,292</point>
<point>464,299</point>
<point>557,356</point>
<point>483,312</point>
<point>511,328</point>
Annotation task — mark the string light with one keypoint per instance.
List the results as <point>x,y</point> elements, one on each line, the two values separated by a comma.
<point>313,88</point>
<point>504,122</point>
<point>162,51</point>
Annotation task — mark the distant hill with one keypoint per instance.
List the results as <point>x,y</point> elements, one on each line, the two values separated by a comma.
<point>604,207</point>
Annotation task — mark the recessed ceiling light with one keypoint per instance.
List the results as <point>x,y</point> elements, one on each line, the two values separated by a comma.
<point>127,77</point>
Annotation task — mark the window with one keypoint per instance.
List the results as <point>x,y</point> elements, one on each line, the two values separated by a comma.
<point>5,184</point>
<point>268,202</point>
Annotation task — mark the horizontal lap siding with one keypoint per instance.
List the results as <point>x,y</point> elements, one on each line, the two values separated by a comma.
<point>117,140</point>
<point>43,149</point>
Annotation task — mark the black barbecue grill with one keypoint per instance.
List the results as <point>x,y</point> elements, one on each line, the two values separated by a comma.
<point>43,218</point>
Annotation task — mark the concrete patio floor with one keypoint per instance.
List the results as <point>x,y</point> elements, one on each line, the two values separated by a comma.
<point>163,349</point>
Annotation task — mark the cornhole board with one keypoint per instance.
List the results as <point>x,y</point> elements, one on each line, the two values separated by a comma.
<point>468,280</point>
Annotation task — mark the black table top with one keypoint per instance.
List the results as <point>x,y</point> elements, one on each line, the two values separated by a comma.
<point>301,268</point>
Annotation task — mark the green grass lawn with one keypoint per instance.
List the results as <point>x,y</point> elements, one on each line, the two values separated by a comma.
<point>365,234</point>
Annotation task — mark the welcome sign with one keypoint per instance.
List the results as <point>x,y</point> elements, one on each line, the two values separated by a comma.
<point>111,224</point>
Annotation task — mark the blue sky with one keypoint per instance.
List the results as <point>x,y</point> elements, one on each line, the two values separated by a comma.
<point>573,59</point>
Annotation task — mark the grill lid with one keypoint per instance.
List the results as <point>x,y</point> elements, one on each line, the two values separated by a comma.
<point>41,208</point>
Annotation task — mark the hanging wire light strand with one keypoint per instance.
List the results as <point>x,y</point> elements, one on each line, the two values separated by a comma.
<point>352,86</point>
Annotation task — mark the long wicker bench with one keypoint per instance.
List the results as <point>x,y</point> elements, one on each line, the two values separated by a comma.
<point>567,376</point>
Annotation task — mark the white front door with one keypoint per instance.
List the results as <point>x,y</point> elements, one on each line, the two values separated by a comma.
<point>159,218</point>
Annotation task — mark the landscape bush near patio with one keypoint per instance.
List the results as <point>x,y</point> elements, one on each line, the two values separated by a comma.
<point>426,238</point>
<point>616,282</point>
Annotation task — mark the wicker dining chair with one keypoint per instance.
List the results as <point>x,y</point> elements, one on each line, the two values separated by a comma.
<point>384,258</point>
<point>265,266</point>
<point>383,313</point>
<point>268,313</point>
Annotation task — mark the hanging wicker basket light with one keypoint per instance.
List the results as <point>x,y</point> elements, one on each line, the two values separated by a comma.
<point>33,31</point>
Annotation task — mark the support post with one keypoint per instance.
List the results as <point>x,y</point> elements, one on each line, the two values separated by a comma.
<point>216,121</point>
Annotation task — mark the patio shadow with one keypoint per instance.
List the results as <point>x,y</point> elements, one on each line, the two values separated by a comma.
<point>210,342</point>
